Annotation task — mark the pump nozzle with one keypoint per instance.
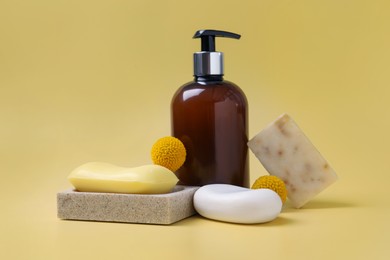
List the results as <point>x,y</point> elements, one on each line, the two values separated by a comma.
<point>208,38</point>
<point>208,61</point>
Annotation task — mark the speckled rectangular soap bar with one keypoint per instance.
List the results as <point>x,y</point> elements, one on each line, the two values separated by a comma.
<point>287,153</point>
<point>132,208</point>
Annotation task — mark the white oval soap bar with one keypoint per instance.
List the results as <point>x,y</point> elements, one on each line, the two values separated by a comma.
<point>105,177</point>
<point>236,204</point>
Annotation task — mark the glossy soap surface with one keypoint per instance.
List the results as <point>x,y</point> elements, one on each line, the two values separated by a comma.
<point>210,118</point>
<point>236,204</point>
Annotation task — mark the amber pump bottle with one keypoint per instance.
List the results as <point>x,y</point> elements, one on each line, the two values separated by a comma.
<point>209,115</point>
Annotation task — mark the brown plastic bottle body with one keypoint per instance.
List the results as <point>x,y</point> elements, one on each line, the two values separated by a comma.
<point>210,118</point>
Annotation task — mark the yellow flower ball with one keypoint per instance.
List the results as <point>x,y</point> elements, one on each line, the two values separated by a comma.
<point>273,183</point>
<point>169,152</point>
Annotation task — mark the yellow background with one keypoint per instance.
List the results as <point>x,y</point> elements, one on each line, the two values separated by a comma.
<point>92,81</point>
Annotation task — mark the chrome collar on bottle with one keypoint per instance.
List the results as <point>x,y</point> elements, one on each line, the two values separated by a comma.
<point>208,63</point>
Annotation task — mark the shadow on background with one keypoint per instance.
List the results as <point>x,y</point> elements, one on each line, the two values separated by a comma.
<point>321,204</point>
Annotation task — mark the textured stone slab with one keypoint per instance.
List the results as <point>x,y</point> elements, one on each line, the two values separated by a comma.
<point>132,208</point>
<point>286,152</point>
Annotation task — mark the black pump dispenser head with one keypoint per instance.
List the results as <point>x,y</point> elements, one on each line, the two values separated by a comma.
<point>208,38</point>
<point>209,62</point>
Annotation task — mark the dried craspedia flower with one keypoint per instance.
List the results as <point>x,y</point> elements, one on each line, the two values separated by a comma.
<point>273,183</point>
<point>169,152</point>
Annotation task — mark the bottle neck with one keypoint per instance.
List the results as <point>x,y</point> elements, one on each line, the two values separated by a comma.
<point>208,78</point>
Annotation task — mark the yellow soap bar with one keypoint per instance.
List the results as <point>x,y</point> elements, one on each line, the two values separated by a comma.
<point>105,177</point>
